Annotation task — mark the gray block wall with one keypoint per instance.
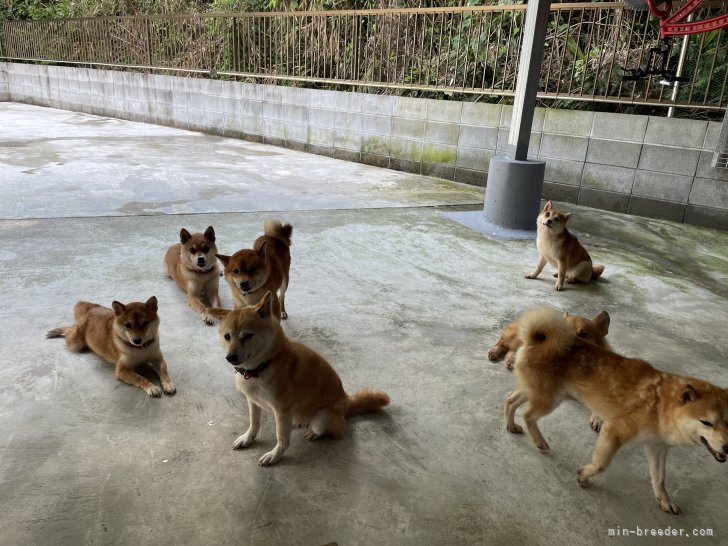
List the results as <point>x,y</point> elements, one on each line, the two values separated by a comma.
<point>650,166</point>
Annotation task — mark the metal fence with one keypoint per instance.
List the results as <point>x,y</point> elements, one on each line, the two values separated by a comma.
<point>455,50</point>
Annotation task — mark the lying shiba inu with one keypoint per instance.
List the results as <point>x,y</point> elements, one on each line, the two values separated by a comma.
<point>593,330</point>
<point>265,268</point>
<point>635,400</point>
<point>193,266</point>
<point>562,250</point>
<point>125,336</point>
<point>286,378</point>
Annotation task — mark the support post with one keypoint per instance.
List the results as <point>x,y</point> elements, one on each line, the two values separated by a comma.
<point>515,183</point>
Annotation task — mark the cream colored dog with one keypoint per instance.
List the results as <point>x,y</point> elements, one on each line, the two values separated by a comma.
<point>285,378</point>
<point>635,400</point>
<point>126,336</point>
<point>559,248</point>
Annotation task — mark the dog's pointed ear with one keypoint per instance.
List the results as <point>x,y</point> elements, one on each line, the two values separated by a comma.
<point>265,307</point>
<point>118,307</point>
<point>548,206</point>
<point>689,394</point>
<point>152,303</point>
<point>184,236</point>
<point>567,216</point>
<point>224,259</point>
<point>602,322</point>
<point>263,250</point>
<point>218,313</point>
<point>210,234</point>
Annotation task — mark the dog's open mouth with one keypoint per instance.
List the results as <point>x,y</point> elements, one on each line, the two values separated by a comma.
<point>720,457</point>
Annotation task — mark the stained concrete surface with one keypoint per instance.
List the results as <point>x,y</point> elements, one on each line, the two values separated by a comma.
<point>399,298</point>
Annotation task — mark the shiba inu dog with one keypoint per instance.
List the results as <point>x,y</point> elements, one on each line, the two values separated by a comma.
<point>635,400</point>
<point>286,378</point>
<point>265,268</point>
<point>125,335</point>
<point>562,250</point>
<point>594,330</point>
<point>193,266</point>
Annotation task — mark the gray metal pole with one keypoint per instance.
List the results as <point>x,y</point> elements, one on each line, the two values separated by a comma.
<point>529,72</point>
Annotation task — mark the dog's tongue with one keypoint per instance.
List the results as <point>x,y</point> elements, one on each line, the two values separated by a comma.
<point>720,457</point>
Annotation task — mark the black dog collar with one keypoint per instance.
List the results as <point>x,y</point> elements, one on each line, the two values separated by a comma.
<point>255,372</point>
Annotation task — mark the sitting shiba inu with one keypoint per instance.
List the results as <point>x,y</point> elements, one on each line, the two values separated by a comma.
<point>286,378</point>
<point>635,400</point>
<point>265,268</point>
<point>562,250</point>
<point>125,335</point>
<point>594,330</point>
<point>193,266</point>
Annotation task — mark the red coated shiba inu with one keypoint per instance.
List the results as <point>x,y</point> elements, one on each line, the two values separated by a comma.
<point>285,378</point>
<point>635,400</point>
<point>126,336</point>
<point>193,266</point>
<point>559,248</point>
<point>264,268</point>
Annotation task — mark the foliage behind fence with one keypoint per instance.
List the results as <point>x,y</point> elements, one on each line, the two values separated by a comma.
<point>455,50</point>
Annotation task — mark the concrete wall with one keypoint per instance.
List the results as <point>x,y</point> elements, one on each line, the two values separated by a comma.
<point>643,165</point>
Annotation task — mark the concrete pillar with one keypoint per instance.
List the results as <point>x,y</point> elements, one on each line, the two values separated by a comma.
<point>515,183</point>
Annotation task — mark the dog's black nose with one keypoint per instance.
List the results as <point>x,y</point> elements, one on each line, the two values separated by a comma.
<point>232,358</point>
<point>200,261</point>
<point>725,449</point>
<point>137,341</point>
<point>244,285</point>
<point>548,222</point>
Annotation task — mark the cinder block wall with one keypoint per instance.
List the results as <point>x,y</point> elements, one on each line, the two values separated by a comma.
<point>650,166</point>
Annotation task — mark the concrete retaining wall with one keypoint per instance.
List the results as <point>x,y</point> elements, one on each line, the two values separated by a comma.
<point>643,165</point>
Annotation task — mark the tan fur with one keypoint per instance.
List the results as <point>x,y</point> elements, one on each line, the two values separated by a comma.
<point>193,266</point>
<point>559,248</point>
<point>126,336</point>
<point>593,330</point>
<point>264,268</point>
<point>635,400</point>
<point>297,385</point>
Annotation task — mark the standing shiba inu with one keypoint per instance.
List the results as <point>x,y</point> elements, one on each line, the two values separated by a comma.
<point>562,250</point>
<point>594,330</point>
<point>265,268</point>
<point>635,400</point>
<point>286,378</point>
<point>126,336</point>
<point>193,266</point>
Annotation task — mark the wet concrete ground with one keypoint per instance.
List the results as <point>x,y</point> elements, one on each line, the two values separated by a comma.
<point>391,291</point>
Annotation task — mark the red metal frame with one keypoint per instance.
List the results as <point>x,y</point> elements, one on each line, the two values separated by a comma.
<point>675,24</point>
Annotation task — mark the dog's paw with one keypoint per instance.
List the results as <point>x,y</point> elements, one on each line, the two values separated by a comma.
<point>530,276</point>
<point>515,429</point>
<point>581,478</point>
<point>510,361</point>
<point>311,436</point>
<point>243,441</point>
<point>270,458</point>
<point>153,391</point>
<point>543,445</point>
<point>667,506</point>
<point>595,422</point>
<point>208,319</point>
<point>169,388</point>
<point>558,286</point>
<point>493,354</point>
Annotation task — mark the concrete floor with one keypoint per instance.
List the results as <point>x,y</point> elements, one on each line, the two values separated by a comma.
<point>393,293</point>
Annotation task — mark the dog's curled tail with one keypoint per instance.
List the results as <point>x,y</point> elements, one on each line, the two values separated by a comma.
<point>597,270</point>
<point>282,232</point>
<point>366,400</point>
<point>545,334</point>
